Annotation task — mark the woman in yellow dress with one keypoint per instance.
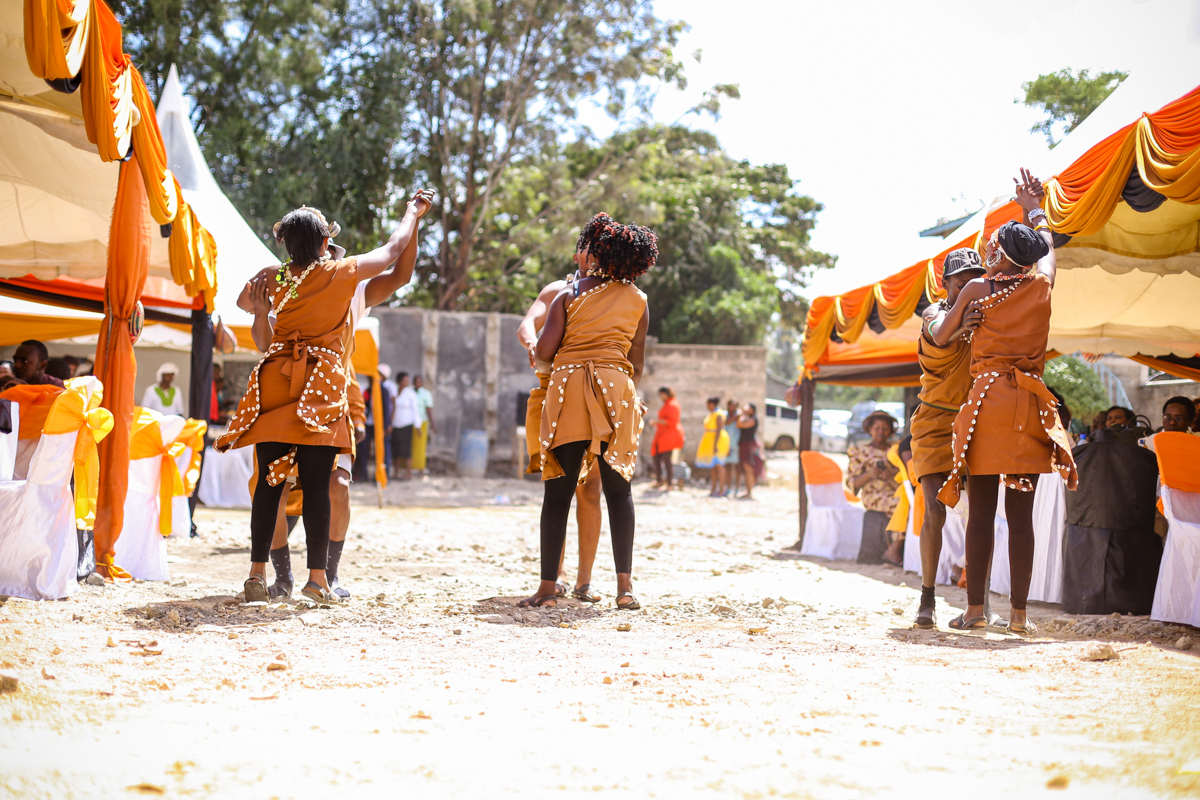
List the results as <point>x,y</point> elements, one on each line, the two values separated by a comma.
<point>714,446</point>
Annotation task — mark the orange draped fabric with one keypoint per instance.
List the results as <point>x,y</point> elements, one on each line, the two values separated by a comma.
<point>128,262</point>
<point>1169,367</point>
<point>69,38</point>
<point>1164,147</point>
<point>33,405</point>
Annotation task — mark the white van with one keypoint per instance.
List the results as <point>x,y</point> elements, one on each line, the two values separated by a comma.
<point>780,426</point>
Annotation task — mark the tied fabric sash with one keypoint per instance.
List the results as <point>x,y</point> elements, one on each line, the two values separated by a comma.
<point>297,368</point>
<point>1033,387</point>
<point>78,409</point>
<point>601,427</point>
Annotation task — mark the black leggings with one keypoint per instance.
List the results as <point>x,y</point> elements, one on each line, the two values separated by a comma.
<point>315,464</point>
<point>983,492</point>
<point>663,468</point>
<point>556,508</point>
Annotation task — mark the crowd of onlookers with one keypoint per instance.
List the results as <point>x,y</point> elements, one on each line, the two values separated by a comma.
<point>407,423</point>
<point>874,466</point>
<point>730,447</point>
<point>31,365</point>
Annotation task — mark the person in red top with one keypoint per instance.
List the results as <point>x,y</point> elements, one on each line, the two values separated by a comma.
<point>668,437</point>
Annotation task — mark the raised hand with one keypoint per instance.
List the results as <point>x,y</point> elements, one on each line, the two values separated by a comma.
<point>422,202</point>
<point>260,294</point>
<point>973,316</point>
<point>1029,190</point>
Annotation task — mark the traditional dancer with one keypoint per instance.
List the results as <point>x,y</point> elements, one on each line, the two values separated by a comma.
<point>587,493</point>
<point>368,294</point>
<point>295,406</point>
<point>945,382</point>
<point>595,334</point>
<point>1009,425</point>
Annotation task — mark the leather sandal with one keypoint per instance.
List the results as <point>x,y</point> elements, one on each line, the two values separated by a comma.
<point>255,589</point>
<point>585,594</point>
<point>1028,629</point>
<point>926,617</point>
<point>632,605</point>
<point>560,589</point>
<point>320,596</point>
<point>961,623</point>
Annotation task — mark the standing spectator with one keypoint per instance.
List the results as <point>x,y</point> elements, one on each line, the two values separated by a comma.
<point>389,410</point>
<point>218,393</point>
<point>403,423</point>
<point>163,397</point>
<point>873,479</point>
<point>749,455</point>
<point>733,473</point>
<point>29,364</point>
<point>425,425</point>
<point>668,437</point>
<point>714,446</point>
<point>1178,414</point>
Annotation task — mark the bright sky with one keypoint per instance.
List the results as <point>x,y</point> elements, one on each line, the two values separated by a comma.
<point>894,114</point>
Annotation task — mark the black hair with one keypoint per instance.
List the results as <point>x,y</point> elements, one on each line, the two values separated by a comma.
<point>753,408</point>
<point>43,353</point>
<point>1186,403</point>
<point>587,236</point>
<point>715,400</point>
<point>625,252</point>
<point>303,233</point>
<point>58,368</point>
<point>401,376</point>
<point>667,390</point>
<point>1128,412</point>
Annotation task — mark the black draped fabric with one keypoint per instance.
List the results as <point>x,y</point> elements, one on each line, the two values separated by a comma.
<point>5,416</point>
<point>1110,551</point>
<point>200,393</point>
<point>1138,195</point>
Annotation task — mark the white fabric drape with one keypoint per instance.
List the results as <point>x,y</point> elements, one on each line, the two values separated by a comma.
<point>225,481</point>
<point>8,445</point>
<point>1177,595</point>
<point>834,526</point>
<point>142,550</point>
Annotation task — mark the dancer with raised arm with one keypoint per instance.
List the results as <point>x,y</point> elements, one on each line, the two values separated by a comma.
<point>595,337</point>
<point>1009,427</point>
<point>945,382</point>
<point>295,407</point>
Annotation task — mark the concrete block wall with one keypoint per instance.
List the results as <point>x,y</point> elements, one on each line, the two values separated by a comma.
<point>696,371</point>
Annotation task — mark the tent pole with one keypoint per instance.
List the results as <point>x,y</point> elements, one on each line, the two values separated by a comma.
<point>201,380</point>
<point>807,399</point>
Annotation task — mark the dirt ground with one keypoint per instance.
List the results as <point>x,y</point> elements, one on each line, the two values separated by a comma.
<point>750,673</point>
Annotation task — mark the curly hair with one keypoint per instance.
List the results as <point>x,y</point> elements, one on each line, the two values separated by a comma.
<point>587,236</point>
<point>303,232</point>
<point>625,252</point>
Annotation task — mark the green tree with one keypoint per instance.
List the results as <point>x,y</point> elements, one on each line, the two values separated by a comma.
<point>1079,385</point>
<point>1068,98</point>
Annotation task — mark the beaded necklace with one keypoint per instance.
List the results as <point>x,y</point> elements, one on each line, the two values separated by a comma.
<point>291,283</point>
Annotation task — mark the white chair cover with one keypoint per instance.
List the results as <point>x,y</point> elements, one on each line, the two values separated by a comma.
<point>8,445</point>
<point>912,543</point>
<point>1049,525</point>
<point>1177,595</point>
<point>834,526</point>
<point>141,549</point>
<point>39,549</point>
<point>225,481</point>
<point>1001,574</point>
<point>181,510</point>
<point>954,541</point>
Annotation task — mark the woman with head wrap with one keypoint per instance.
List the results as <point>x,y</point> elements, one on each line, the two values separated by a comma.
<point>164,397</point>
<point>295,410</point>
<point>1009,427</point>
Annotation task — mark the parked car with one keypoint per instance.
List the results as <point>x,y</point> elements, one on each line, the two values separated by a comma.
<point>829,429</point>
<point>855,433</point>
<point>780,426</point>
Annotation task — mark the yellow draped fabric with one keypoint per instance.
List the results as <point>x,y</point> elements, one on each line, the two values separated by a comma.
<point>365,360</point>
<point>899,520</point>
<point>74,410</point>
<point>1164,147</point>
<point>66,39</point>
<point>192,437</point>
<point>145,441</point>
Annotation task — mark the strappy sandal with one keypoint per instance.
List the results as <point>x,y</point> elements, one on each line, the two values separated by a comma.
<point>1028,629</point>
<point>926,617</point>
<point>632,605</point>
<point>994,620</point>
<point>560,589</point>
<point>279,590</point>
<point>961,623</point>
<point>538,601</point>
<point>320,596</point>
<point>255,589</point>
<point>585,594</point>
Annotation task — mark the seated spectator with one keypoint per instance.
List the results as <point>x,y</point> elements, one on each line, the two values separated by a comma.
<point>6,370</point>
<point>870,476</point>
<point>1178,414</point>
<point>1196,419</point>
<point>1118,416</point>
<point>59,368</point>
<point>29,364</point>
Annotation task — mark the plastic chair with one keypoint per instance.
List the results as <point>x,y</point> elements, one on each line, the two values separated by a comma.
<point>141,549</point>
<point>1177,593</point>
<point>39,548</point>
<point>833,528</point>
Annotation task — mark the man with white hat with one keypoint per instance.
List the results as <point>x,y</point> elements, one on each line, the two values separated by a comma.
<point>162,396</point>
